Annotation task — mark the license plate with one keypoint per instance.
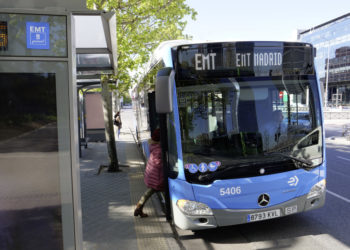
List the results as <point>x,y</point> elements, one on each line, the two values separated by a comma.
<point>291,210</point>
<point>264,215</point>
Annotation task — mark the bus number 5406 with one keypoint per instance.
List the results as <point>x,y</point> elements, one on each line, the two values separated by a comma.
<point>230,191</point>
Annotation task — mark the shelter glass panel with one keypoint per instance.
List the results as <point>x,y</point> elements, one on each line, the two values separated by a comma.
<point>35,160</point>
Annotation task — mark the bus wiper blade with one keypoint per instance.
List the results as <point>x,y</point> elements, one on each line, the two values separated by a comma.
<point>305,163</point>
<point>213,175</point>
<point>201,153</point>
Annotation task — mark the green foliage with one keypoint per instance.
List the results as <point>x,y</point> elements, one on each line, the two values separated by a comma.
<point>149,80</point>
<point>141,26</point>
<point>126,97</point>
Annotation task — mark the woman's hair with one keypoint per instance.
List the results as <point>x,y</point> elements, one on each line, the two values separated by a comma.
<point>156,135</point>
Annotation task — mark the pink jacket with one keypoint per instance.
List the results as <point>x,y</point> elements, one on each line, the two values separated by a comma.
<point>154,168</point>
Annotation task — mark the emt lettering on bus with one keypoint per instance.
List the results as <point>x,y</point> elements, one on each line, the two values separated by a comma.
<point>260,59</point>
<point>203,61</point>
<point>243,60</point>
<point>268,59</point>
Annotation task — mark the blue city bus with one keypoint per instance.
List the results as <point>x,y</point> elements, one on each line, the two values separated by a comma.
<point>241,130</point>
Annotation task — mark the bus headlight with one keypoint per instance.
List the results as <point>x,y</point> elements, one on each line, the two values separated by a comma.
<point>317,189</point>
<point>193,208</point>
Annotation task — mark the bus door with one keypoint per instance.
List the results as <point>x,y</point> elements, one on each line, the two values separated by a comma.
<point>152,115</point>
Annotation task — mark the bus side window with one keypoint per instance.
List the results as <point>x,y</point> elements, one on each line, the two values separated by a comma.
<point>172,145</point>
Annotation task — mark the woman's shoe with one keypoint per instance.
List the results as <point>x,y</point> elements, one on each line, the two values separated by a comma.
<point>138,211</point>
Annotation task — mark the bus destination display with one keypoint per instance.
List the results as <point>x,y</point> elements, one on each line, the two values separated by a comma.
<point>213,60</point>
<point>241,60</point>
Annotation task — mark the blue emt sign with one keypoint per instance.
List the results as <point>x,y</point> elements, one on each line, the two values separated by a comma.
<point>38,35</point>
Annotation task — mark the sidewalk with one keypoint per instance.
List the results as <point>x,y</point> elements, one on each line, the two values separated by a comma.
<point>109,199</point>
<point>334,133</point>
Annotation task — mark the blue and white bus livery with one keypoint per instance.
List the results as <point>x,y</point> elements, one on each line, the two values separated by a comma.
<point>234,149</point>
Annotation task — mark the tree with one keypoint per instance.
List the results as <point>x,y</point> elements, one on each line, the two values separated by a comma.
<point>141,26</point>
<point>109,128</point>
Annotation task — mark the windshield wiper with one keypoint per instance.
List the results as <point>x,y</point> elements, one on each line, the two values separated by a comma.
<point>205,153</point>
<point>228,168</point>
<point>240,169</point>
<point>304,163</point>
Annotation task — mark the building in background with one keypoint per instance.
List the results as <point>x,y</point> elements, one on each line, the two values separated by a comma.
<point>332,40</point>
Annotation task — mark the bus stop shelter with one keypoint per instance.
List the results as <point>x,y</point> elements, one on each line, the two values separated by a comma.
<point>95,56</point>
<point>40,71</point>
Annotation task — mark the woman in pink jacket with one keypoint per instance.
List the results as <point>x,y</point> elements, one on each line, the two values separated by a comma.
<point>153,173</point>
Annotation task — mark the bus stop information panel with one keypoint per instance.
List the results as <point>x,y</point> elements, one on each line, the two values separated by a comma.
<point>36,197</point>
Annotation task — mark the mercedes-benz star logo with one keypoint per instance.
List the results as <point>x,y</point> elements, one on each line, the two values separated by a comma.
<point>263,200</point>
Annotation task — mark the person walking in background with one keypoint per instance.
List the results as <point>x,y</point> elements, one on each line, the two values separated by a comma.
<point>118,122</point>
<point>153,174</point>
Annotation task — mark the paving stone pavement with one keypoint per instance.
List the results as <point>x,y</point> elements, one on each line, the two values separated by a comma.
<point>106,206</point>
<point>108,200</point>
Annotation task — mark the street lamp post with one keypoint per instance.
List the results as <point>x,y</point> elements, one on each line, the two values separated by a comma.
<point>327,73</point>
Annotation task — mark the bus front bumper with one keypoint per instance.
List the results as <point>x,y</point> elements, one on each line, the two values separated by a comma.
<point>227,217</point>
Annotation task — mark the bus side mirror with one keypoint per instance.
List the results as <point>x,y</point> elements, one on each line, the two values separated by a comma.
<point>164,90</point>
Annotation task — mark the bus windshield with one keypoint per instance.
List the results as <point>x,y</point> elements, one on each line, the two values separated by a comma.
<point>249,126</point>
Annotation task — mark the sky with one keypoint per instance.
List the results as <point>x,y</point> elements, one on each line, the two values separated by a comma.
<point>260,20</point>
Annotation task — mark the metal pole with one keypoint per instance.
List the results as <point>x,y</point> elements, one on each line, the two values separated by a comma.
<point>327,73</point>
<point>336,101</point>
<point>79,121</point>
